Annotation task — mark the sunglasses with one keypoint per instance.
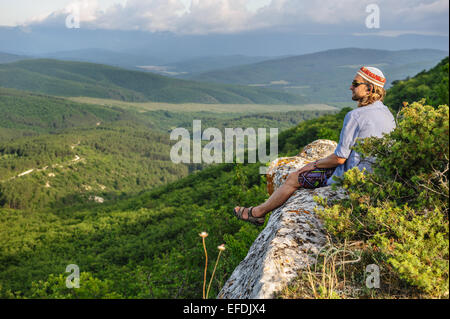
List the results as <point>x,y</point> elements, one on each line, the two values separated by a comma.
<point>356,84</point>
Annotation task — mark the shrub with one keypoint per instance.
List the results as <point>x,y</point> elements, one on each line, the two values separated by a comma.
<point>401,208</point>
<point>90,288</point>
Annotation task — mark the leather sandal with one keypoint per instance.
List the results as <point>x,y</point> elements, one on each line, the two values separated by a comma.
<point>258,221</point>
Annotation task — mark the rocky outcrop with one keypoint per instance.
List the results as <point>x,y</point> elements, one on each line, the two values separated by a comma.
<point>281,167</point>
<point>292,238</point>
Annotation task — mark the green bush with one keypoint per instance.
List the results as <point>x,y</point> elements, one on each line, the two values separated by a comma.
<point>401,209</point>
<point>431,85</point>
<point>90,288</point>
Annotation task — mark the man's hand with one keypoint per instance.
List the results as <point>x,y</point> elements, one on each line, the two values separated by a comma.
<point>307,168</point>
<point>331,161</point>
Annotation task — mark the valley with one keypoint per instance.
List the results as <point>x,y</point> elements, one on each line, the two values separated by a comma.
<point>86,176</point>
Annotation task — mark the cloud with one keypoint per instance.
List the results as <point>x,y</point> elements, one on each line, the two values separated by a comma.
<point>344,15</point>
<point>234,16</point>
<point>84,10</point>
<point>153,15</point>
<point>216,16</point>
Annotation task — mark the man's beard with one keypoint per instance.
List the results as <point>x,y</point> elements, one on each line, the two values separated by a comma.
<point>357,97</point>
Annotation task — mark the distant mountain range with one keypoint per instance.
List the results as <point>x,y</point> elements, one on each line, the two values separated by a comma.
<point>322,77</point>
<point>103,56</point>
<point>325,76</point>
<point>7,58</point>
<point>187,68</point>
<point>63,78</point>
<point>161,65</point>
<point>170,47</point>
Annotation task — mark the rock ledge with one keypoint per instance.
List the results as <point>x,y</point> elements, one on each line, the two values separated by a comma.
<point>292,238</point>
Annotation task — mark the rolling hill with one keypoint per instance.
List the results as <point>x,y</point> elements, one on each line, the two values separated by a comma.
<point>104,56</point>
<point>35,113</point>
<point>27,114</point>
<point>186,68</point>
<point>30,114</point>
<point>84,164</point>
<point>65,78</point>
<point>56,152</point>
<point>147,246</point>
<point>325,76</point>
<point>7,57</point>
<point>179,67</point>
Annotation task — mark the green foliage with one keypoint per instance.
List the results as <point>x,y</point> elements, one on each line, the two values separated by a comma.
<point>143,241</point>
<point>117,152</point>
<point>90,288</point>
<point>146,252</point>
<point>147,245</point>
<point>164,120</point>
<point>75,167</point>
<point>325,127</point>
<point>431,85</point>
<point>26,114</point>
<point>402,207</point>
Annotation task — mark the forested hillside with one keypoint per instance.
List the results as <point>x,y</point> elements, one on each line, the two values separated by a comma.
<point>25,113</point>
<point>431,85</point>
<point>78,166</point>
<point>65,78</point>
<point>55,152</point>
<point>148,246</point>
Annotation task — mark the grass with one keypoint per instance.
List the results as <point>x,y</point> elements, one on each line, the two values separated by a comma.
<point>339,272</point>
<point>198,107</point>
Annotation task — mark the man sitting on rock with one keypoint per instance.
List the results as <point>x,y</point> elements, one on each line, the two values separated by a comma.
<point>371,118</point>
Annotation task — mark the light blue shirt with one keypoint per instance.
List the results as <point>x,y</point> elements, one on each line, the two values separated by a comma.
<point>367,121</point>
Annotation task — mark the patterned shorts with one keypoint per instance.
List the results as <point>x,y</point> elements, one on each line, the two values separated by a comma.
<point>315,178</point>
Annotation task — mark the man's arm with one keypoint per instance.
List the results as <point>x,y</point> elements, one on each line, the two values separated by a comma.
<point>347,139</point>
<point>331,161</point>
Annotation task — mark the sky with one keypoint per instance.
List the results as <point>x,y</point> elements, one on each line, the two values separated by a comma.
<point>424,17</point>
<point>18,12</point>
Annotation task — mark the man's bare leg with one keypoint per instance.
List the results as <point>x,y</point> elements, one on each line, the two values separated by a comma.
<point>278,198</point>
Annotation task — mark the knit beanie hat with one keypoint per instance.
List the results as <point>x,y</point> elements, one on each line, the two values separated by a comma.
<point>372,75</point>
